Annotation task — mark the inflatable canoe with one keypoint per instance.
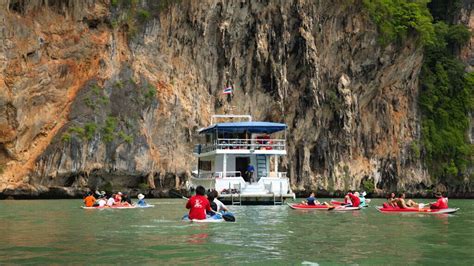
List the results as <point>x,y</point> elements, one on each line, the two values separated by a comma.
<point>338,203</point>
<point>117,207</point>
<point>211,219</point>
<point>321,207</point>
<point>414,210</point>
<point>222,217</point>
<point>300,206</point>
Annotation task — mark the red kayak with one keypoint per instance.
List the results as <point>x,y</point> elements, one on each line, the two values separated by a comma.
<point>300,206</point>
<point>321,207</point>
<point>335,202</point>
<point>415,210</point>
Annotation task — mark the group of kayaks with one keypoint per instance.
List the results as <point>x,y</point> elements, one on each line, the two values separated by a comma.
<point>119,207</point>
<point>338,206</point>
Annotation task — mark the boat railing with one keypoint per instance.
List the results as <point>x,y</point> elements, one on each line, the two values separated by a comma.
<point>241,144</point>
<point>277,174</point>
<point>214,175</point>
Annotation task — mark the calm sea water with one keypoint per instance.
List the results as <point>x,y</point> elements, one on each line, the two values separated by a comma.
<point>59,232</point>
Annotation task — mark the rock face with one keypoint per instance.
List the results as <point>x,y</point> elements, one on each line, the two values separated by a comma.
<point>95,96</point>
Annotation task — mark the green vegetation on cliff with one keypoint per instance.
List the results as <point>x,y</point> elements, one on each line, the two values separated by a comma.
<point>397,19</point>
<point>446,95</point>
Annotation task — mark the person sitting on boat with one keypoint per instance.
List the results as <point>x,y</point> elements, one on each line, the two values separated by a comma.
<point>89,200</point>
<point>391,201</point>
<point>118,198</point>
<point>353,198</point>
<point>363,202</point>
<point>311,200</point>
<point>198,205</point>
<point>404,204</point>
<point>210,198</point>
<point>216,204</point>
<point>111,201</point>
<point>102,201</point>
<point>126,201</point>
<point>141,200</point>
<point>441,203</point>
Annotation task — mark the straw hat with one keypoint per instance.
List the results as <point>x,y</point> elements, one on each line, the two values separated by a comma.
<point>141,196</point>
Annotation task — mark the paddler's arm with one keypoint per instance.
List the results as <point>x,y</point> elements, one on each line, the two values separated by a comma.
<point>188,204</point>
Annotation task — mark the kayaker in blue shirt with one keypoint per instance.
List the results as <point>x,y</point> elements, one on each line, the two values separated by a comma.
<point>311,200</point>
<point>141,200</point>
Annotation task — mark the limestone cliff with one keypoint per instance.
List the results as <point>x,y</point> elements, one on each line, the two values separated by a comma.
<point>97,94</point>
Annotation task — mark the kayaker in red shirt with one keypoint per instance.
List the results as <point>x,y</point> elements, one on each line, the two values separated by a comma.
<point>441,203</point>
<point>354,198</point>
<point>198,205</point>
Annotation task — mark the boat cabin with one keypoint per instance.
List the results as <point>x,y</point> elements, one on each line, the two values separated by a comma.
<point>240,160</point>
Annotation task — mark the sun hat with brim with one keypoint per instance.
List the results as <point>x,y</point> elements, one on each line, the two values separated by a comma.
<point>141,196</point>
<point>120,193</point>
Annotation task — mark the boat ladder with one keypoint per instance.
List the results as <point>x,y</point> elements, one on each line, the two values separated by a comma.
<point>237,200</point>
<point>278,200</point>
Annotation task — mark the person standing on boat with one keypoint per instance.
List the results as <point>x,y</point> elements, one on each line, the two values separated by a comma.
<point>198,204</point>
<point>249,172</point>
<point>441,203</point>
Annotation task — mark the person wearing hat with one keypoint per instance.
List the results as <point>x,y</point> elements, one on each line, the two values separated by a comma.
<point>118,198</point>
<point>141,200</point>
<point>363,203</point>
<point>441,203</point>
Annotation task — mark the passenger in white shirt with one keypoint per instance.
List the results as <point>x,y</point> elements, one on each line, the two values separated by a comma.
<point>110,201</point>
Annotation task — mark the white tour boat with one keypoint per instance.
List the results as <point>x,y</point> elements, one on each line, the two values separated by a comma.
<point>240,161</point>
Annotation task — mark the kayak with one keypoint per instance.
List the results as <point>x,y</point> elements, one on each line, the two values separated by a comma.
<point>209,219</point>
<point>338,203</point>
<point>117,207</point>
<point>344,208</point>
<point>300,206</point>
<point>223,216</point>
<point>414,210</point>
<point>335,202</point>
<point>321,207</point>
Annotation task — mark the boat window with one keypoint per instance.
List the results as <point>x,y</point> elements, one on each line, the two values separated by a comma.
<point>205,165</point>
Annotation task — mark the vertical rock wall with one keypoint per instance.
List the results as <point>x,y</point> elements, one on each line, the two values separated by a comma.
<point>86,103</point>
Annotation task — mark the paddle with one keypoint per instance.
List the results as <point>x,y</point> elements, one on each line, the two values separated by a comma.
<point>226,216</point>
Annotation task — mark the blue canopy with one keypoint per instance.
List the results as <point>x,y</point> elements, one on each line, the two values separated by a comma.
<point>240,127</point>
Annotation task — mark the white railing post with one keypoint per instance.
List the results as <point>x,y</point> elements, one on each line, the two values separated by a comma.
<point>276,165</point>
<point>224,165</point>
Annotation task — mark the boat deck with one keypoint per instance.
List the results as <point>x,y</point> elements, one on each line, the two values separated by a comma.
<point>255,198</point>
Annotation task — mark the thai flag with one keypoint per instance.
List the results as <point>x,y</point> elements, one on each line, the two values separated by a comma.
<point>227,90</point>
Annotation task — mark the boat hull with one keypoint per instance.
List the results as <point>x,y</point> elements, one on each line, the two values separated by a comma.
<point>423,211</point>
<point>118,208</point>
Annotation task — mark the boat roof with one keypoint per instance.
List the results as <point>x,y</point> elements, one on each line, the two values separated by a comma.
<point>251,127</point>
